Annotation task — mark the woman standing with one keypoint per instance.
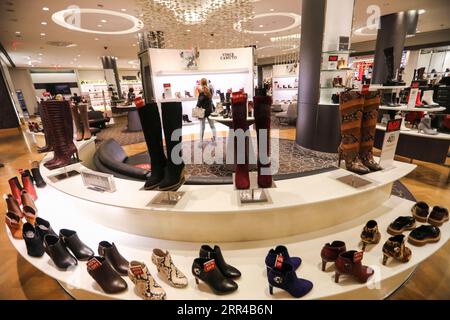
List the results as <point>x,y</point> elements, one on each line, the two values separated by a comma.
<point>205,102</point>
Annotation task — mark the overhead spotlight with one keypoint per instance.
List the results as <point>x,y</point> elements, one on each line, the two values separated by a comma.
<point>422,11</point>
<point>17,32</point>
<point>261,25</point>
<point>104,21</point>
<point>43,34</point>
<point>123,10</point>
<point>45,9</point>
<point>44,23</point>
<point>96,39</point>
<point>272,10</point>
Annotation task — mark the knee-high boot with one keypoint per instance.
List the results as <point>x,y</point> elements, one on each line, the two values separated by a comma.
<point>45,125</point>
<point>77,122</point>
<point>368,128</point>
<point>83,108</point>
<point>239,110</point>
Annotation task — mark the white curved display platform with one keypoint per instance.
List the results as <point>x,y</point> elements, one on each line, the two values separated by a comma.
<point>209,212</point>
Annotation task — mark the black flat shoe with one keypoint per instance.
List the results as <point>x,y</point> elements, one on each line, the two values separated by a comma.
<point>401,224</point>
<point>43,228</point>
<point>58,252</point>
<point>78,248</point>
<point>424,234</point>
<point>32,241</point>
<point>112,255</point>
<point>227,270</point>
<point>207,271</point>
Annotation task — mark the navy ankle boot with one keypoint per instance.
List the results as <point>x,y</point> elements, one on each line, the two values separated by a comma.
<point>275,257</point>
<point>285,278</point>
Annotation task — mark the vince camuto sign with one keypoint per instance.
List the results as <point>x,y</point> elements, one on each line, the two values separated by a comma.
<point>228,56</point>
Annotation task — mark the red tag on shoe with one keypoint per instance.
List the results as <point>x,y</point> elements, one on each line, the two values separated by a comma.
<point>137,271</point>
<point>93,264</point>
<point>209,265</point>
<point>357,257</point>
<point>279,261</point>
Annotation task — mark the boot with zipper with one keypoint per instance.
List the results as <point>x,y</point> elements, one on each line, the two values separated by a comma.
<point>285,278</point>
<point>77,122</point>
<point>395,248</point>
<point>151,126</point>
<point>262,105</point>
<point>83,109</point>
<point>368,128</point>
<point>174,173</point>
<point>240,126</point>
<point>351,107</point>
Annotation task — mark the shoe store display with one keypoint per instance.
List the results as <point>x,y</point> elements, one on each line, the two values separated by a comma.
<point>37,177</point>
<point>28,207</point>
<point>424,234</point>
<point>13,206</point>
<point>77,122</point>
<point>395,248</point>
<point>59,254</point>
<point>438,216</point>
<point>370,234</point>
<point>32,241</point>
<point>43,228</point>
<point>420,211</point>
<point>368,129</point>
<point>206,270</point>
<point>112,255</point>
<point>401,224</point>
<point>285,278</point>
<point>44,118</point>
<point>106,277</point>
<point>163,262</point>
<point>390,77</point>
<point>28,185</point>
<point>241,156</point>
<point>331,251</point>
<point>276,257</point>
<point>15,224</point>
<point>146,286</point>
<point>349,263</point>
<point>16,189</point>
<point>215,253</point>
<point>76,246</point>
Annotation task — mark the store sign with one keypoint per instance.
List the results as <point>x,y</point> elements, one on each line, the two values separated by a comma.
<point>390,143</point>
<point>413,94</point>
<point>228,56</point>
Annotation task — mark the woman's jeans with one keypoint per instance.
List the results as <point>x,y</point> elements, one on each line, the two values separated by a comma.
<point>202,128</point>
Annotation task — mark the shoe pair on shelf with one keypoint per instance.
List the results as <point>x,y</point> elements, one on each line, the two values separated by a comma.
<point>212,269</point>
<point>15,213</point>
<point>437,217</point>
<point>281,273</point>
<point>345,262</point>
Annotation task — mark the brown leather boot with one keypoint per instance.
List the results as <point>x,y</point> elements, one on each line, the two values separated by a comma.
<point>368,128</point>
<point>83,108</point>
<point>44,118</point>
<point>77,121</point>
<point>351,106</point>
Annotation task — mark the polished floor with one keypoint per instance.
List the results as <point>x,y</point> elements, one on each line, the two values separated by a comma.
<point>20,280</point>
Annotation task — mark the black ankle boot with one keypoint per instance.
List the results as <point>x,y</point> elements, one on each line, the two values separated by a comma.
<point>40,183</point>
<point>186,118</point>
<point>206,252</point>
<point>151,126</point>
<point>174,170</point>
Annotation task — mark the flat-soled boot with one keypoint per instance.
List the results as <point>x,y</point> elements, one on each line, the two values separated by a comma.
<point>395,248</point>
<point>331,251</point>
<point>44,228</point>
<point>401,224</point>
<point>285,278</point>
<point>37,177</point>
<point>438,216</point>
<point>351,107</point>
<point>207,271</point>
<point>262,105</point>
<point>13,206</point>
<point>349,263</point>
<point>14,224</point>
<point>16,189</point>
<point>106,277</point>
<point>370,234</point>
<point>240,126</point>
<point>424,234</point>
<point>58,252</point>
<point>32,241</point>
<point>165,266</point>
<point>112,255</point>
<point>368,128</point>
<point>276,257</point>
<point>174,175</point>
<point>420,211</point>
<point>151,126</point>
<point>76,246</point>
<point>146,285</point>
<point>29,208</point>
<point>227,270</point>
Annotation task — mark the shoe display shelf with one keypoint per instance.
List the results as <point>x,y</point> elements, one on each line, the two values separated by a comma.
<point>303,214</point>
<point>405,108</point>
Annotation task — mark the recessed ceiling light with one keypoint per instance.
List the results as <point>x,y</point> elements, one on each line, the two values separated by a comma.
<point>257,41</point>
<point>272,9</point>
<point>123,10</point>
<point>99,25</point>
<point>41,54</point>
<point>188,30</point>
<point>44,23</point>
<point>261,25</point>
<point>134,44</point>
<point>45,9</point>
<point>104,21</point>
<point>265,34</point>
<point>17,32</point>
<point>422,11</point>
<point>79,55</point>
<point>43,34</point>
<point>96,39</point>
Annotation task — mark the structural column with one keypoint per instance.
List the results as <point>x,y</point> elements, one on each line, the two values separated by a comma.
<point>111,73</point>
<point>8,113</point>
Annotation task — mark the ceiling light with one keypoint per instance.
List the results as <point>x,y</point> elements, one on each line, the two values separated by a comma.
<point>17,32</point>
<point>123,10</point>
<point>261,25</point>
<point>265,34</point>
<point>272,10</point>
<point>43,34</point>
<point>104,21</point>
<point>296,23</point>
<point>44,23</point>
<point>79,55</point>
<point>45,9</point>
<point>188,30</point>
<point>61,18</point>
<point>134,44</point>
<point>257,41</point>
<point>96,39</point>
<point>422,11</point>
<point>99,25</point>
<point>41,54</point>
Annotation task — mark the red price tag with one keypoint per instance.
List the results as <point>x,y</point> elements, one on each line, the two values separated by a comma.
<point>279,261</point>
<point>209,265</point>
<point>93,264</point>
<point>358,256</point>
<point>137,271</point>
<point>365,88</point>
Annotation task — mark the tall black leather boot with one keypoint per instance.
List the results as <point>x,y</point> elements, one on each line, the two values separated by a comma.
<point>172,113</point>
<point>151,126</point>
<point>390,77</point>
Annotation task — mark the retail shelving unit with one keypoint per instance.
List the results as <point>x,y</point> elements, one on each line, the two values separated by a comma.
<point>285,84</point>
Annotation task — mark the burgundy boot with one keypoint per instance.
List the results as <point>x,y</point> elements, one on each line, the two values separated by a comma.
<point>239,110</point>
<point>349,263</point>
<point>16,189</point>
<point>28,184</point>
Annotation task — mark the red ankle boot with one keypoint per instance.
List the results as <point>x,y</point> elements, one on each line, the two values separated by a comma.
<point>239,109</point>
<point>28,184</point>
<point>262,122</point>
<point>16,189</point>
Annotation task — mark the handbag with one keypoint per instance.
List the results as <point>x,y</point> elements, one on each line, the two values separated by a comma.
<point>198,113</point>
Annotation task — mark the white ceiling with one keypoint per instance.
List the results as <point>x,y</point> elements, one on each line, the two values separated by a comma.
<point>30,47</point>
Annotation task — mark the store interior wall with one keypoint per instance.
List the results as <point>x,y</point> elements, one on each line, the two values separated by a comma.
<point>21,79</point>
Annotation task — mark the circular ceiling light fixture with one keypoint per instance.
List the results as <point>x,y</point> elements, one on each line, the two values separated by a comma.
<point>296,23</point>
<point>288,46</point>
<point>70,19</point>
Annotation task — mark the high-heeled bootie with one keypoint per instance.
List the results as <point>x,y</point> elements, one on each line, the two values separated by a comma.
<point>28,185</point>
<point>331,251</point>
<point>240,126</point>
<point>13,206</point>
<point>151,126</point>
<point>206,270</point>
<point>395,248</point>
<point>368,128</point>
<point>351,107</point>
<point>15,224</point>
<point>174,173</point>
<point>32,241</point>
<point>349,263</point>
<point>285,278</point>
<point>146,285</point>
<point>261,107</point>
<point>29,207</point>
<point>16,189</point>
<point>227,270</point>
<point>276,257</point>
<point>427,99</point>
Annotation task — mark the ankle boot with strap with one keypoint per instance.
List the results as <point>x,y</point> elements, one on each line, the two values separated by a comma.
<point>351,106</point>
<point>368,128</point>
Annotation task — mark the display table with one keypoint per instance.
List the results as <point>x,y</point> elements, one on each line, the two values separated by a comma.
<point>134,122</point>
